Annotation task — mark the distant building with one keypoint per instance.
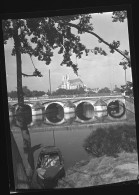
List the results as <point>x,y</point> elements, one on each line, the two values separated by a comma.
<point>71,84</point>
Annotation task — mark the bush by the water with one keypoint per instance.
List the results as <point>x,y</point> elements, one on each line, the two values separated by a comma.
<point>111,141</point>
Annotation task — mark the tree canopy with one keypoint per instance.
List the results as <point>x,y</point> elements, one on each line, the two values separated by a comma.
<point>104,90</point>
<point>40,36</point>
<point>69,92</point>
<point>128,88</point>
<point>27,93</point>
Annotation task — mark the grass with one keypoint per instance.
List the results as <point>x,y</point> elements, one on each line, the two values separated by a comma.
<point>106,167</point>
<point>101,171</point>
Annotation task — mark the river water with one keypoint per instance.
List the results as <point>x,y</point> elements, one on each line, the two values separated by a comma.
<point>69,132</point>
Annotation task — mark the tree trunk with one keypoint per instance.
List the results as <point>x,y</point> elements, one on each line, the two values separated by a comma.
<point>22,112</point>
<point>20,177</point>
<point>17,45</point>
<point>28,154</point>
<point>22,116</point>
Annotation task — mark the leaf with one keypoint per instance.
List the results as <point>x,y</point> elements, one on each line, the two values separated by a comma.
<point>119,16</point>
<point>37,73</point>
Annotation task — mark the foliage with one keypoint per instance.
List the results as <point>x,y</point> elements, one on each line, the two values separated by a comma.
<point>12,94</point>
<point>111,141</point>
<point>48,92</point>
<point>39,37</point>
<point>69,92</point>
<point>119,16</point>
<point>36,93</point>
<point>104,90</point>
<point>128,88</point>
<point>117,89</point>
<point>36,73</point>
<point>27,93</point>
<point>90,92</point>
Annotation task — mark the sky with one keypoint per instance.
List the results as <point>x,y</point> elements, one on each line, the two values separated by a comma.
<point>96,71</point>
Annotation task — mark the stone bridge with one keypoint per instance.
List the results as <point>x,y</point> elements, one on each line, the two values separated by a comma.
<point>60,102</point>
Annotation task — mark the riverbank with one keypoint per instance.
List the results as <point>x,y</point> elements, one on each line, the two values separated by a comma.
<point>100,139</point>
<point>113,158</point>
<point>101,171</point>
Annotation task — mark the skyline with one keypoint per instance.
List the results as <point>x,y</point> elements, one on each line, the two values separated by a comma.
<point>95,71</point>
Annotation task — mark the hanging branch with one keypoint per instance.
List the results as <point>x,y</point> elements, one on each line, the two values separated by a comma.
<point>36,73</point>
<point>27,75</point>
<point>32,61</point>
<point>111,46</point>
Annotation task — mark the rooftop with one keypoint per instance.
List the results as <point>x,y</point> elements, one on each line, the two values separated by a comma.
<point>75,81</point>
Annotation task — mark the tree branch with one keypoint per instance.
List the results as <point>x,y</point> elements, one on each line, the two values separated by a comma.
<point>28,75</point>
<point>97,36</point>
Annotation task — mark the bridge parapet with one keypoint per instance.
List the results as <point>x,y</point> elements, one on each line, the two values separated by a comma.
<point>107,100</point>
<point>122,99</point>
<point>92,102</point>
<point>75,100</point>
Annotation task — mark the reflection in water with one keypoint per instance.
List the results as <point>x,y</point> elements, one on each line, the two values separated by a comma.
<point>85,111</point>
<point>116,109</point>
<point>111,140</point>
<point>54,113</point>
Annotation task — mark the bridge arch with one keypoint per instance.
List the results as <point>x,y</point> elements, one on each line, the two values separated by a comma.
<point>15,107</point>
<point>76,103</point>
<point>47,104</point>
<point>81,120</point>
<point>116,108</point>
<point>109,100</point>
<point>47,121</point>
<point>84,110</point>
<point>54,112</point>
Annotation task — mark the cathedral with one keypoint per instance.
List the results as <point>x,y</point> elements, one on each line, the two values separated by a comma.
<point>71,84</point>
